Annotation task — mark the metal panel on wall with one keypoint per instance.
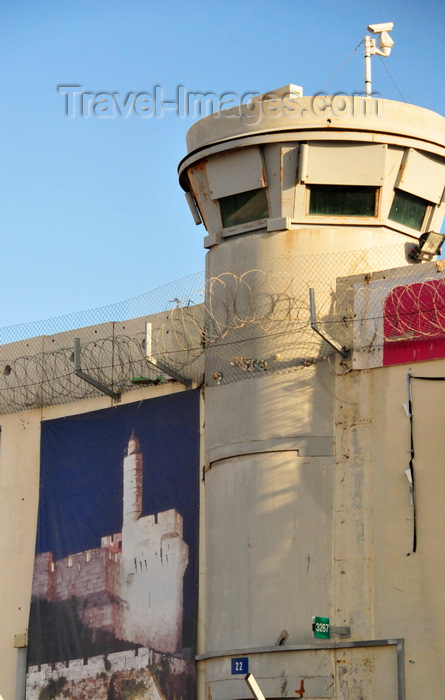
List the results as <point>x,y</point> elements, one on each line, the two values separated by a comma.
<point>400,317</point>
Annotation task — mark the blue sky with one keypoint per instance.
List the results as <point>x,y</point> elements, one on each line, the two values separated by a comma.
<point>91,209</point>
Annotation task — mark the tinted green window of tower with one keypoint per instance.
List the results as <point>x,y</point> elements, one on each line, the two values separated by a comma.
<point>407,209</point>
<point>342,200</point>
<point>244,207</point>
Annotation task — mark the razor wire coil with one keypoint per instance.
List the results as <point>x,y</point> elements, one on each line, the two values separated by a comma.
<point>237,325</point>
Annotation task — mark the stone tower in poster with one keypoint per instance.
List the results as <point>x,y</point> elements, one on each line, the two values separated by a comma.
<point>131,587</point>
<point>154,559</point>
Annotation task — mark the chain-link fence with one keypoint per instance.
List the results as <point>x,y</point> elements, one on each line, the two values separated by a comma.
<point>37,359</point>
<point>234,326</point>
<point>258,321</point>
<point>163,298</point>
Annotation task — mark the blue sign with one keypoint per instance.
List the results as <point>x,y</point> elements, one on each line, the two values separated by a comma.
<point>240,665</point>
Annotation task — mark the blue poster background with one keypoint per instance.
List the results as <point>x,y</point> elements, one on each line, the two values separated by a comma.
<point>81,486</point>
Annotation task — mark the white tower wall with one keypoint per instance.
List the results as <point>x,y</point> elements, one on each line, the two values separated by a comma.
<point>282,475</point>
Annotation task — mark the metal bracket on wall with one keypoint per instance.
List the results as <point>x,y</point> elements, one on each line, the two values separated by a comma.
<point>21,640</point>
<point>78,372</point>
<point>160,365</point>
<point>344,352</point>
<point>341,631</point>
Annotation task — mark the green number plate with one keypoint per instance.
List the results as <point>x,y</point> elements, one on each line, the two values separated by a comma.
<point>321,627</point>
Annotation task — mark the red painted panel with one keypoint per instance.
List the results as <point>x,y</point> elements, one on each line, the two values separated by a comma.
<point>414,323</point>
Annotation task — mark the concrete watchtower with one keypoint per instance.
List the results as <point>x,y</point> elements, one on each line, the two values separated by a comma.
<point>293,191</point>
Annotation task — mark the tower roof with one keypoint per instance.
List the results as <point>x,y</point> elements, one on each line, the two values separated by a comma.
<point>133,444</point>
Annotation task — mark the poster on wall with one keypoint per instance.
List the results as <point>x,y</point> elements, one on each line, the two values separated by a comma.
<point>114,598</point>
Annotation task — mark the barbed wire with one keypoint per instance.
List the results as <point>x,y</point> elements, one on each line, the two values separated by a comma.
<point>238,325</point>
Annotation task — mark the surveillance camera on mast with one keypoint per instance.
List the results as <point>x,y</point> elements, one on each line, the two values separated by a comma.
<point>378,28</point>
<point>385,42</point>
<point>384,48</point>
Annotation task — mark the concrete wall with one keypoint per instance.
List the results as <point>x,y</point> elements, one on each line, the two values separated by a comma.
<point>296,536</point>
<point>408,591</point>
<point>305,506</point>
